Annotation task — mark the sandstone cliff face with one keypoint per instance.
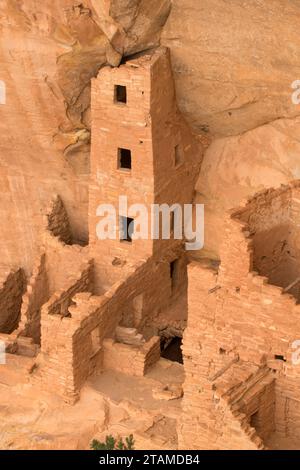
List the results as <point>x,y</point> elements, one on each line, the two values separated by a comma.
<point>32,167</point>
<point>233,61</point>
<point>237,166</point>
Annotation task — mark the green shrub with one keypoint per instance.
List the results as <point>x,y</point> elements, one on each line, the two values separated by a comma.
<point>113,444</point>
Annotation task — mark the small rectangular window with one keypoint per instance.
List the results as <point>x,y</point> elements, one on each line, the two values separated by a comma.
<point>120,94</point>
<point>179,156</point>
<point>126,228</point>
<point>124,159</point>
<point>279,357</point>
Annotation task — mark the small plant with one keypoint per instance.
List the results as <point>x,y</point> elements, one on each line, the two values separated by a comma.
<point>113,444</point>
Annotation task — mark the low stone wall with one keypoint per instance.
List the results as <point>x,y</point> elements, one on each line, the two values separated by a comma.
<point>131,360</point>
<point>75,326</point>
<point>60,302</point>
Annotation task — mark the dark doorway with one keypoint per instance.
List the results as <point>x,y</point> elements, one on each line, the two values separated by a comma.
<point>126,229</point>
<point>171,349</point>
<point>120,94</point>
<point>124,157</point>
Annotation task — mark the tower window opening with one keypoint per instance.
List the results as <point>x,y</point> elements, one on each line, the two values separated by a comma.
<point>124,157</point>
<point>120,94</point>
<point>126,229</point>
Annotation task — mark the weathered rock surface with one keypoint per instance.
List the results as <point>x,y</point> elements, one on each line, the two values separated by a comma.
<point>234,61</point>
<point>233,67</point>
<point>237,167</point>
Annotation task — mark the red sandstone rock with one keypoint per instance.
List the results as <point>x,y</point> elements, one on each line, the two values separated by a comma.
<point>83,320</point>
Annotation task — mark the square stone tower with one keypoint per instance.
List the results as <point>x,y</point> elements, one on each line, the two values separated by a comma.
<point>140,150</point>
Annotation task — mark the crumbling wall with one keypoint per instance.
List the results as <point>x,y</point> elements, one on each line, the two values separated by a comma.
<point>62,262</point>
<point>211,419</point>
<point>35,297</point>
<point>60,301</point>
<point>56,360</point>
<point>58,221</point>
<point>235,313</point>
<point>235,433</point>
<point>63,257</point>
<point>272,217</point>
<point>258,404</point>
<point>11,291</point>
<point>74,326</point>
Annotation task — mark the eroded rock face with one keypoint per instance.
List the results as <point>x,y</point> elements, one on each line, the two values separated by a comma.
<point>233,68</point>
<point>32,167</point>
<point>236,167</point>
<point>234,61</point>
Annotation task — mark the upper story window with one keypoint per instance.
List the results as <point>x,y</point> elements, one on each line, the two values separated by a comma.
<point>124,159</point>
<point>120,94</point>
<point>2,92</point>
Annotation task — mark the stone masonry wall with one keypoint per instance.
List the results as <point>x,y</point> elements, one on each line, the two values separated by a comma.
<point>62,261</point>
<point>131,360</point>
<point>12,287</point>
<point>150,126</point>
<point>272,219</point>
<point>55,362</point>
<point>237,314</point>
<point>208,421</point>
<point>72,346</point>
<point>114,126</point>
<point>36,295</point>
<point>294,239</point>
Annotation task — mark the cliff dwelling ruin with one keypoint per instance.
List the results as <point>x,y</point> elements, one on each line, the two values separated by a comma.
<point>183,349</point>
